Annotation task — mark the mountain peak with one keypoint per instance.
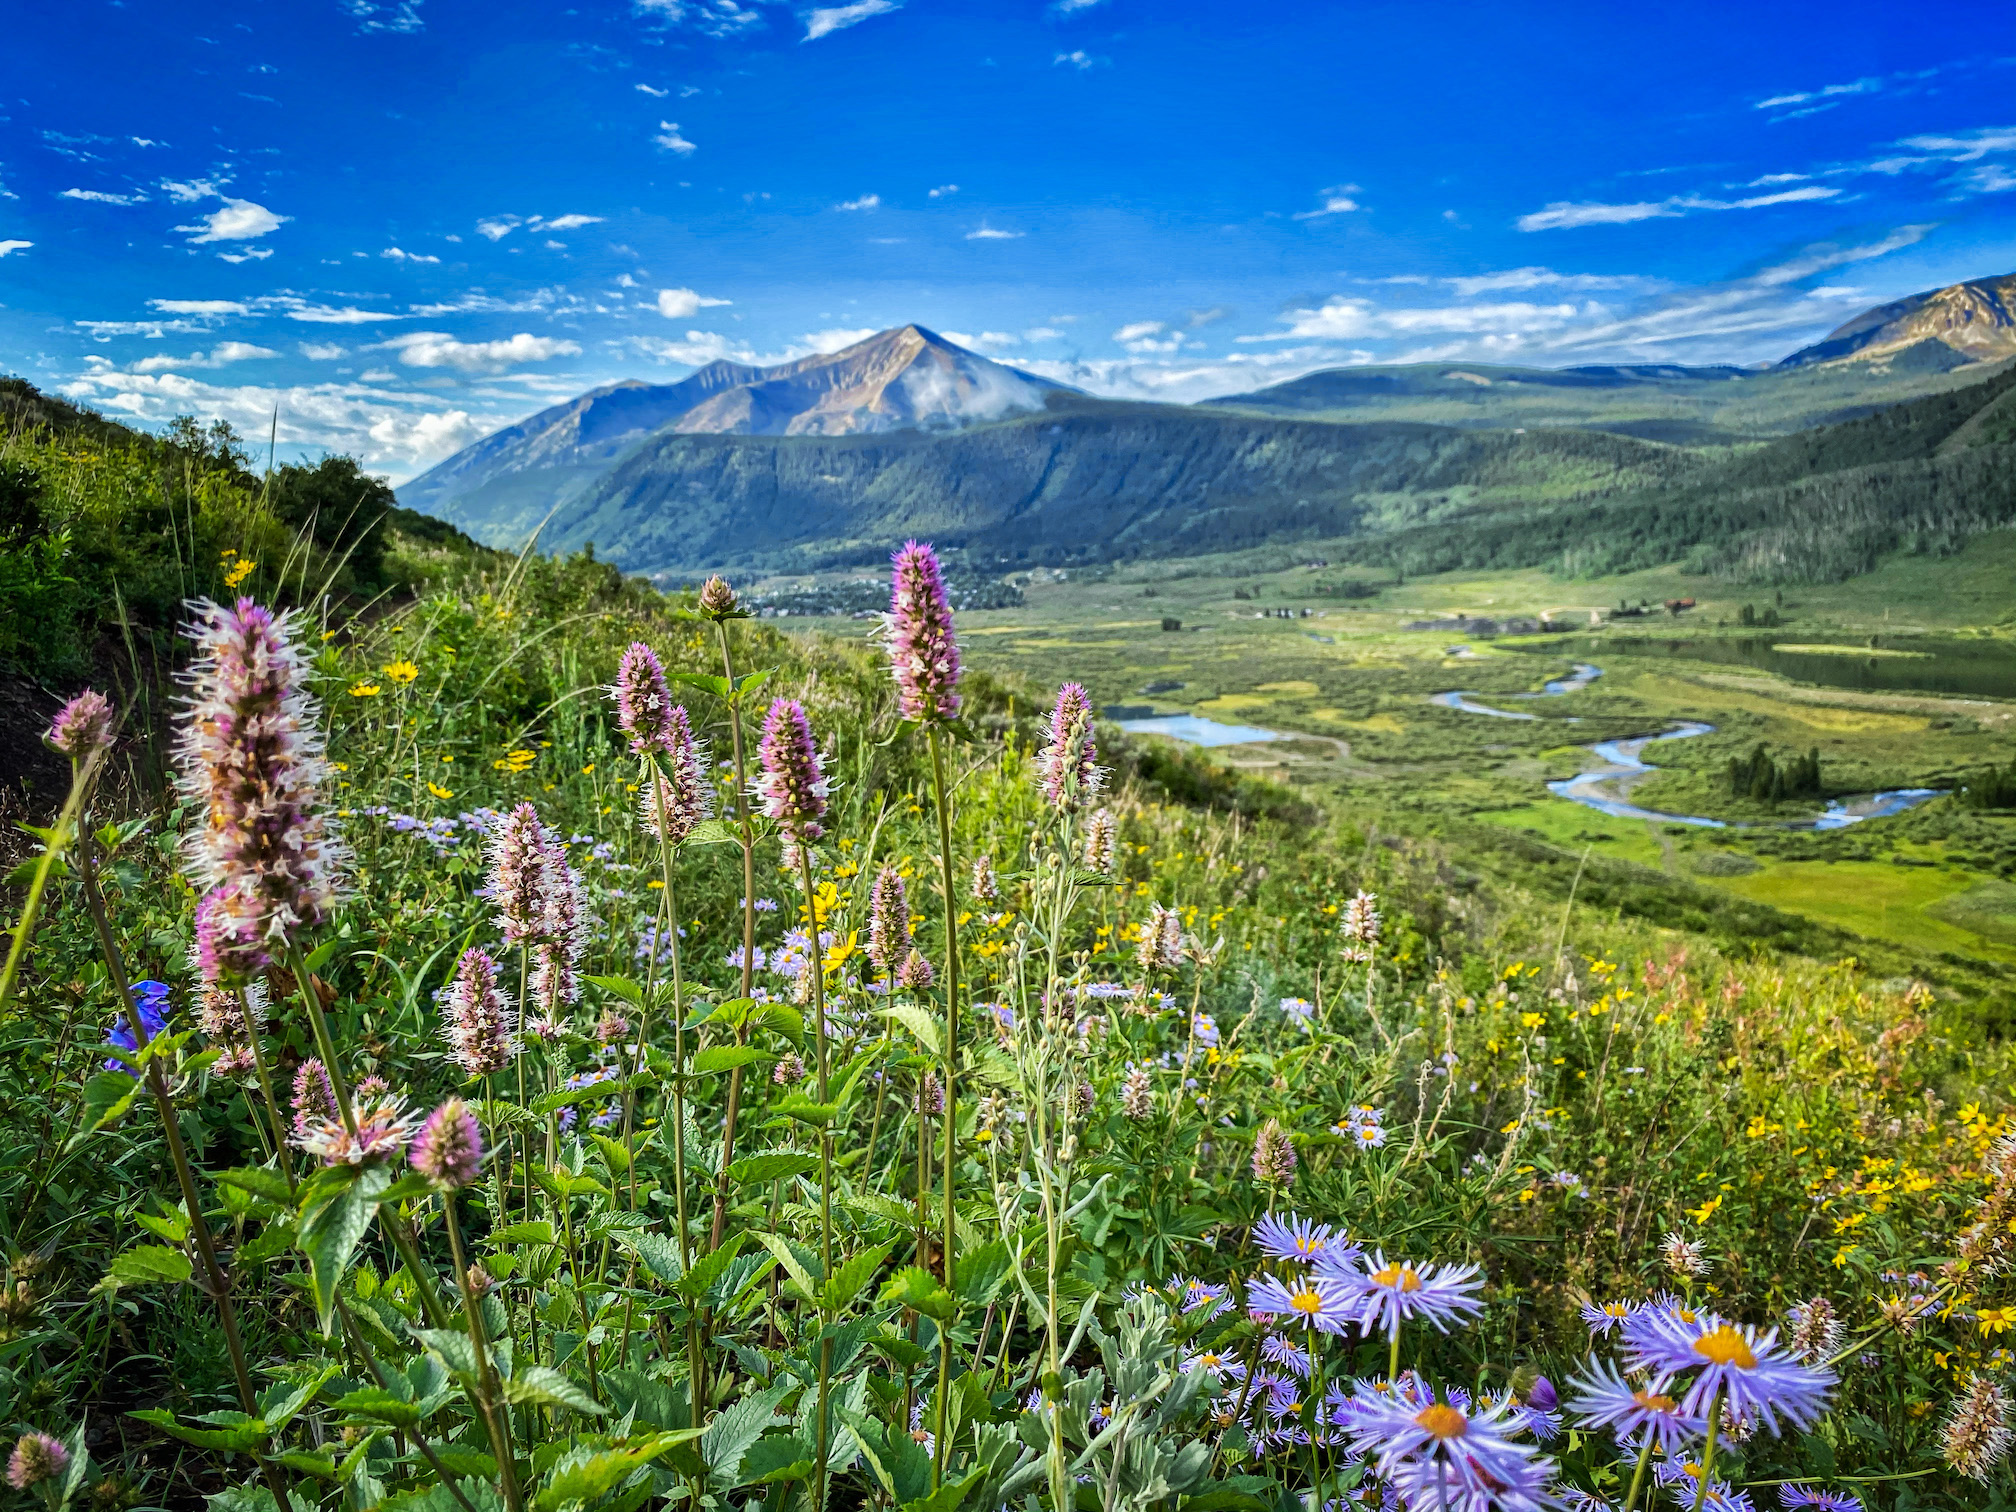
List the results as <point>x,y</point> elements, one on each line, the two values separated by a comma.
<point>1966,322</point>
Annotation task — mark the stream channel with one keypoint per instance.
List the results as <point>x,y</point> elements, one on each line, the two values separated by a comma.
<point>1607,788</point>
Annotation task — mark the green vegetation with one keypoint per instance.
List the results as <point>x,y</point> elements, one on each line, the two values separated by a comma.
<point>1775,781</point>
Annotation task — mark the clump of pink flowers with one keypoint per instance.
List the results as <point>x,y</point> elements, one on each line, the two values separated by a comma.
<point>643,702</point>
<point>82,726</point>
<point>448,1150</point>
<point>678,798</point>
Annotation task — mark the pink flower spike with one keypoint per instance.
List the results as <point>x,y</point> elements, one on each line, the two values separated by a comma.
<point>448,1151</point>
<point>1072,776</point>
<point>83,725</point>
<point>643,702</point>
<point>923,651</point>
<point>791,784</point>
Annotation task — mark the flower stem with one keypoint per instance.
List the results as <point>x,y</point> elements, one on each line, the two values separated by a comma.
<point>942,798</point>
<point>746,832</point>
<point>1638,1475</point>
<point>817,967</point>
<point>82,776</point>
<point>1708,1451</point>
<point>494,1419</point>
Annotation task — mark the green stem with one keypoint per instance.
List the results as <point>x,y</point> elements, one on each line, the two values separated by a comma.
<point>816,965</point>
<point>1708,1452</point>
<point>951,901</point>
<point>1638,1475</point>
<point>747,836</point>
<point>494,1418</point>
<point>82,776</point>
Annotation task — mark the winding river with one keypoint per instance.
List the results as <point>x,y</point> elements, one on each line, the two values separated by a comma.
<point>1607,788</point>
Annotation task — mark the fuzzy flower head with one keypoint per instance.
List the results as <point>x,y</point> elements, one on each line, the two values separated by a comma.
<point>383,1128</point>
<point>1814,1331</point>
<point>517,881</point>
<point>314,1098</point>
<point>718,601</point>
<point>915,974</point>
<point>1072,776</point>
<point>1273,1155</point>
<point>678,798</point>
<point>1160,947</point>
<point>1361,927</point>
<point>563,930</point>
<point>888,921</point>
<point>82,726</point>
<point>1394,1292</point>
<point>1137,1096</point>
<point>250,753</point>
<point>923,652</point>
<point>792,785</point>
<point>985,889</point>
<point>1102,835</point>
<point>448,1150</point>
<point>1753,1377</point>
<point>1977,1436</point>
<point>477,1017</point>
<point>37,1457</point>
<point>643,702</point>
<point>1683,1256</point>
<point>790,1069</point>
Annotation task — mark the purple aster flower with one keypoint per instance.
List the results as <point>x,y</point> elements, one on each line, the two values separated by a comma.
<point>1541,1395</point>
<point>1818,1498</point>
<point>1605,1399</point>
<point>150,1002</point>
<point>1544,1426</point>
<point>923,652</point>
<point>888,921</point>
<point>250,752</point>
<point>1300,1239</point>
<point>477,1016</point>
<point>1072,776</point>
<point>1684,1480</point>
<point>792,785</point>
<point>37,1457</point>
<point>643,702</point>
<point>1391,1293</point>
<point>1733,1360</point>
<point>1193,1294</point>
<point>1444,1457</point>
<point>448,1151</point>
<point>1280,1349</point>
<point>82,726</point>
<point>1223,1366</point>
<point>1605,1317</point>
<point>678,794</point>
<point>1313,1301</point>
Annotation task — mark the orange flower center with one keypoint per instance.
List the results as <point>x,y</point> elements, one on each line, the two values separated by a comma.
<point>1443,1421</point>
<point>1399,1277</point>
<point>1616,1310</point>
<point>1725,1346</point>
<point>1654,1401</point>
<point>1306,1301</point>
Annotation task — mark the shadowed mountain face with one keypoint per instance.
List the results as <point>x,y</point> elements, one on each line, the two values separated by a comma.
<point>902,379</point>
<point>1973,321</point>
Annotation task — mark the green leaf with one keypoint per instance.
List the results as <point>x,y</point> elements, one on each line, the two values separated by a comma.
<point>538,1231</point>
<point>920,1023</point>
<point>317,1465</point>
<point>905,1352</point>
<point>734,1429</point>
<point>260,1182</point>
<point>707,682</point>
<point>631,992</point>
<point>613,1151</point>
<point>461,1460</point>
<point>980,1272</point>
<point>948,1496</point>
<point>602,1473</point>
<point>801,1109</point>
<point>718,1058</point>
<point>380,1406</point>
<point>241,1437</point>
<point>455,1348</point>
<point>771,1165</point>
<point>567,1097</point>
<point>775,1457</point>
<point>543,1386</point>
<point>659,1254</point>
<point>335,1214</point>
<point>714,832</point>
<point>107,1097</point>
<point>917,1289</point>
<point>793,1266</point>
<point>172,1227</point>
<point>1224,1499</point>
<point>849,1280</point>
<point>146,1263</point>
<point>709,1268</point>
<point>279,1406</point>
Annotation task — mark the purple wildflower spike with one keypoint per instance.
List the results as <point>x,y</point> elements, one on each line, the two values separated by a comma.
<point>250,751</point>
<point>792,784</point>
<point>643,703</point>
<point>518,875</point>
<point>1071,773</point>
<point>314,1098</point>
<point>37,1457</point>
<point>915,973</point>
<point>680,795</point>
<point>888,921</point>
<point>448,1150</point>
<point>477,1017</point>
<point>82,725</point>
<point>922,649</point>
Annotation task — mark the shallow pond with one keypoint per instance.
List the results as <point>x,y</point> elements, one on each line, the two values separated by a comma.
<point>1969,668</point>
<point>1197,730</point>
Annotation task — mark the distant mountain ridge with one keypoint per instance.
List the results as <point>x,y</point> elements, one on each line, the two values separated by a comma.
<point>1974,321</point>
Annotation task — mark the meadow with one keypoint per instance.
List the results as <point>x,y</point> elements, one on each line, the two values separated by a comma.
<point>442,1076</point>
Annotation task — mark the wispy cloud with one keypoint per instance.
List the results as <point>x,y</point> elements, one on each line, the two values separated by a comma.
<point>316,314</point>
<point>829,19</point>
<point>1563,216</point>
<point>1333,201</point>
<point>866,202</point>
<point>993,233</point>
<point>567,222</point>
<point>224,353</point>
<point>942,191</point>
<point>1077,58</point>
<point>438,349</point>
<point>683,304</point>
<point>669,138</point>
<point>1535,278</point>
<point>1071,7</point>
<point>101,197</point>
<point>210,308</point>
<point>838,339</point>
<point>1144,336</point>
<point>656,94</point>
<point>386,15</point>
<point>1832,94</point>
<point>399,254</point>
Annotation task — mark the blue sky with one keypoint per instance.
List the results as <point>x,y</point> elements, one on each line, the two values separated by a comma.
<point>406,222</point>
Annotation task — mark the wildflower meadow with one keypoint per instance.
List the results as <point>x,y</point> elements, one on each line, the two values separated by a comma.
<point>533,1044</point>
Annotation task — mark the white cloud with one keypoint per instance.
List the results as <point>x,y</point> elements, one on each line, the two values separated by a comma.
<point>100,197</point>
<point>209,307</point>
<point>568,222</point>
<point>1195,378</point>
<point>980,341</point>
<point>941,191</point>
<point>1989,178</point>
<point>1860,86</point>
<point>1041,333</point>
<point>669,138</point>
<point>192,191</point>
<point>1533,278</point>
<point>683,304</point>
<point>866,202</point>
<point>248,254</point>
<point>236,220</point>
<point>437,349</point>
<point>397,255</point>
<point>323,351</point>
<point>837,340</point>
<point>14,246</point>
<point>1561,216</point>
<point>552,300</point>
<point>1071,7</point>
<point>218,356</point>
<point>1768,179</point>
<point>829,19</point>
<point>1079,59</point>
<point>1966,146</point>
<point>1139,329</point>
<point>990,233</point>
<point>656,94</point>
<point>697,350</point>
<point>314,314</point>
<point>1335,201</point>
<point>497,227</point>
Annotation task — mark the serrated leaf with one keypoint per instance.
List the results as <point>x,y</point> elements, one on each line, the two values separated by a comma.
<point>920,1023</point>
<point>734,1429</point>
<point>713,832</point>
<point>848,1281</point>
<point>602,1473</point>
<point>280,1405</point>
<point>659,1254</point>
<point>260,1182</point>
<point>630,991</point>
<point>793,1266</point>
<point>718,1058</point>
<point>538,1231</point>
<point>801,1109</point>
<point>172,1227</point>
<point>462,1460</point>
<point>155,1263</point>
<point>242,1437</point>
<point>775,1457</point>
<point>948,1496</point>
<point>454,1348</point>
<point>107,1097</point>
<point>336,1212</point>
<point>917,1289</point>
<point>379,1405</point>
<point>709,1268</point>
<point>771,1165</point>
<point>707,682</point>
<point>318,1465</point>
<point>613,1152</point>
<point>543,1386</point>
<point>980,1272</point>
